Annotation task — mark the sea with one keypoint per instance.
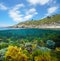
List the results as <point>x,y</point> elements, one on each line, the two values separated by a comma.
<point>31,33</point>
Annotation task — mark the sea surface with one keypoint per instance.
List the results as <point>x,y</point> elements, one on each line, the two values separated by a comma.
<point>18,33</point>
<point>4,28</point>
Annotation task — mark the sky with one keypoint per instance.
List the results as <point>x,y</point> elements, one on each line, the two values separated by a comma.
<point>16,11</point>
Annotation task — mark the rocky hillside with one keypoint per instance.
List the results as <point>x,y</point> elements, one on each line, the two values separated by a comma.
<point>48,22</point>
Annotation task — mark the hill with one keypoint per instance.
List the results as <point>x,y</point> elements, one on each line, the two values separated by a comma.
<point>48,22</point>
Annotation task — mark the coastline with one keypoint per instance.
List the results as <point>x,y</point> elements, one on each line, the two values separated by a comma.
<point>50,27</point>
<point>36,26</point>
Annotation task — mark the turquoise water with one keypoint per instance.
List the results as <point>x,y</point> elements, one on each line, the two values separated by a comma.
<point>30,34</point>
<point>23,33</point>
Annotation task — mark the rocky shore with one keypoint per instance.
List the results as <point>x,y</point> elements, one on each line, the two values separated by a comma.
<point>36,26</point>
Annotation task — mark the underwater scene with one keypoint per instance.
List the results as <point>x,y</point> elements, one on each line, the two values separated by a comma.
<point>29,44</point>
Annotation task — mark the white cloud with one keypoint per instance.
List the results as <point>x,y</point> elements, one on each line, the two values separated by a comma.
<point>33,1</point>
<point>52,2</point>
<point>28,17</point>
<point>31,11</point>
<point>41,2</point>
<point>18,16</point>
<point>52,10</point>
<point>3,7</point>
<point>18,6</point>
<point>15,14</point>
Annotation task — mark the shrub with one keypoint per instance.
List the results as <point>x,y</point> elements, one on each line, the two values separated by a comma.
<point>15,54</point>
<point>3,45</point>
<point>57,48</point>
<point>45,57</point>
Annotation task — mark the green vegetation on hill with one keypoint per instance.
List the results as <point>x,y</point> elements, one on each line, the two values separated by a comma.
<point>49,20</point>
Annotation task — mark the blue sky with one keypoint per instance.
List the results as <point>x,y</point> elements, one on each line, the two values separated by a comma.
<point>15,11</point>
